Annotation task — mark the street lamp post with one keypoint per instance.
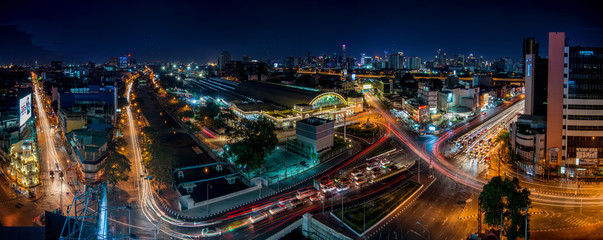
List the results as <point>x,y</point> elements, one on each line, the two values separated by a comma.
<point>129,223</point>
<point>428,235</point>
<point>527,214</point>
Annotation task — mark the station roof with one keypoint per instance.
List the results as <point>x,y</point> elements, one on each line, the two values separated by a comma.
<point>283,95</point>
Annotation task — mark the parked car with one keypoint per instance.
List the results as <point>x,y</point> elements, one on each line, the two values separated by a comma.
<point>277,209</point>
<point>372,166</point>
<point>329,188</point>
<point>295,203</point>
<point>317,197</point>
<point>258,217</point>
<point>325,181</point>
<point>343,187</point>
<point>206,232</point>
<point>359,176</point>
<point>360,182</point>
<point>356,172</point>
<point>285,200</point>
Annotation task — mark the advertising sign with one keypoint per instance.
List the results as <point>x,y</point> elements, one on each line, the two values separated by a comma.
<point>586,153</point>
<point>450,97</point>
<point>553,155</point>
<point>24,109</point>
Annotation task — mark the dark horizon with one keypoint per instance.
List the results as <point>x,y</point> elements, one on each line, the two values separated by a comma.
<point>155,30</point>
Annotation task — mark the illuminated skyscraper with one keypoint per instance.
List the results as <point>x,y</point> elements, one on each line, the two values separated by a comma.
<point>396,60</point>
<point>574,138</point>
<point>530,46</point>
<point>224,59</point>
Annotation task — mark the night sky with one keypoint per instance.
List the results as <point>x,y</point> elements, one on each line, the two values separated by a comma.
<point>185,31</point>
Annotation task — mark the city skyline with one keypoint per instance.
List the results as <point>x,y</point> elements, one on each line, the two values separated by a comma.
<point>189,32</point>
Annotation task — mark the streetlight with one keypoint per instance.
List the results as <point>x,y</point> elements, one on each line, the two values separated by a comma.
<point>129,225</point>
<point>428,235</point>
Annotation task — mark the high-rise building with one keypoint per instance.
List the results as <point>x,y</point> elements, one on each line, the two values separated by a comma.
<point>554,123</point>
<point>224,60</point>
<point>583,126</point>
<point>535,79</point>
<point>530,46</point>
<point>396,60</point>
<point>438,57</point>
<point>343,51</point>
<point>574,120</point>
<point>413,63</point>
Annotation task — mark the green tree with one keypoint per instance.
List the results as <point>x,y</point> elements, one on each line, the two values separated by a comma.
<point>120,143</point>
<point>115,168</point>
<point>256,139</point>
<point>210,109</point>
<point>187,113</point>
<point>505,197</point>
<point>158,161</point>
<point>227,118</point>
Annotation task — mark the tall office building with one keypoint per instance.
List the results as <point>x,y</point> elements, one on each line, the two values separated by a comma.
<point>396,60</point>
<point>413,63</point>
<point>224,59</point>
<point>343,52</point>
<point>530,46</point>
<point>554,123</point>
<point>535,79</point>
<point>575,120</point>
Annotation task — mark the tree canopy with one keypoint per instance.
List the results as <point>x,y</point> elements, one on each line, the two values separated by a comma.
<point>506,197</point>
<point>210,109</point>
<point>256,139</point>
<point>115,168</point>
<point>156,159</point>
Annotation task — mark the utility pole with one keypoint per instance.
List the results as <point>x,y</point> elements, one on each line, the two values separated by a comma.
<point>129,223</point>
<point>527,215</point>
<point>158,226</point>
<point>345,118</point>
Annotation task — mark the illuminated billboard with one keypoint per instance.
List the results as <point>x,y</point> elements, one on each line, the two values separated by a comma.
<point>450,97</point>
<point>367,86</point>
<point>24,109</point>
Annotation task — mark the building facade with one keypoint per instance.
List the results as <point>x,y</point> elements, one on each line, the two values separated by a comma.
<point>528,136</point>
<point>574,121</point>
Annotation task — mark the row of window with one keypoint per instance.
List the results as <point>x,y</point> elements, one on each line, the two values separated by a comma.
<point>585,128</point>
<point>582,117</point>
<point>584,107</point>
